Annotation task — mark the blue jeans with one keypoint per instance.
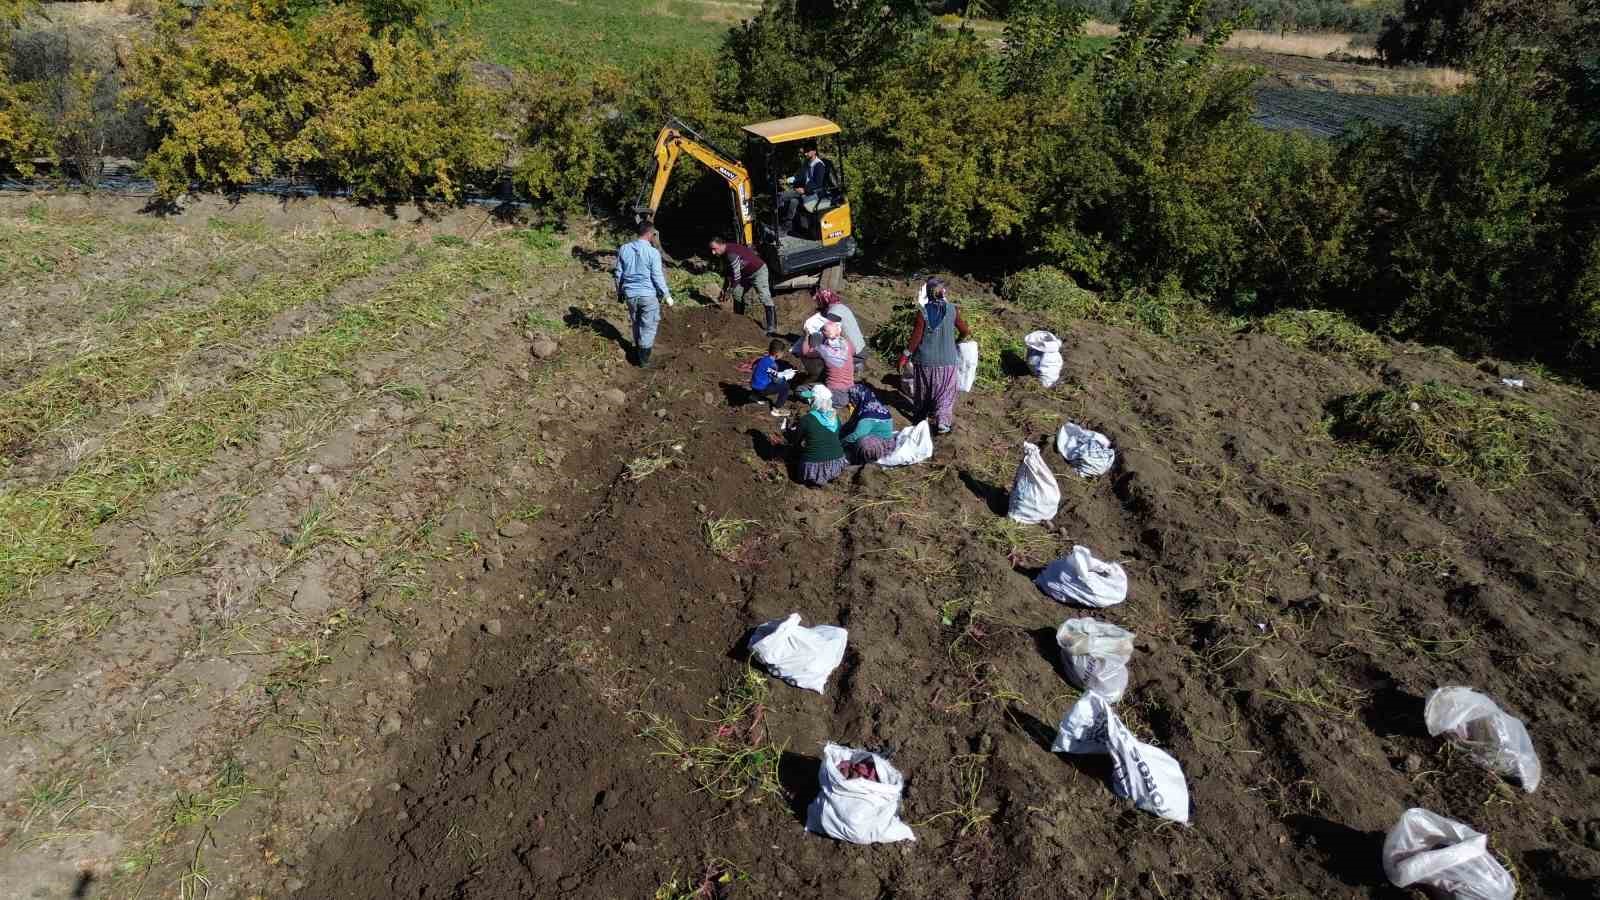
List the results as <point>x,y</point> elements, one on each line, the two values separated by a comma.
<point>645,314</point>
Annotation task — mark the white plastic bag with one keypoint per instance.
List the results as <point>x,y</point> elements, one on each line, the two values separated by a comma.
<point>911,446</point>
<point>1088,451</point>
<point>1095,656</point>
<point>858,810</point>
<point>1147,775</point>
<point>967,373</point>
<point>802,656</point>
<point>1035,497</point>
<point>1080,578</point>
<point>1044,356</point>
<point>1449,858</point>
<point>1493,737</point>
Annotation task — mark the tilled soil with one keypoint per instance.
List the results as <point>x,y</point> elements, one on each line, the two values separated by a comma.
<point>1295,600</point>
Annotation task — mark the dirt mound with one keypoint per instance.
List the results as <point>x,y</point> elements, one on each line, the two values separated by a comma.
<point>1295,600</point>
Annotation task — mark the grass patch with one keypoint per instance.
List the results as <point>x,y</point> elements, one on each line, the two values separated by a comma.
<point>968,813</point>
<point>1485,439</point>
<point>739,757</point>
<point>1323,331</point>
<point>541,34</point>
<point>76,389</point>
<point>725,537</point>
<point>46,527</point>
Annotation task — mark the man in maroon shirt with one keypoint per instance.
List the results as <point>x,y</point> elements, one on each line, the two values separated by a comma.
<point>746,271</point>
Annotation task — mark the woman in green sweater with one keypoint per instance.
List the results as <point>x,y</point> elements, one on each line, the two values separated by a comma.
<point>816,439</point>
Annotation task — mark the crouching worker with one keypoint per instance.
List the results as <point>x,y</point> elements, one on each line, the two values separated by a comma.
<point>870,433</point>
<point>770,378</point>
<point>747,274</point>
<point>815,437</point>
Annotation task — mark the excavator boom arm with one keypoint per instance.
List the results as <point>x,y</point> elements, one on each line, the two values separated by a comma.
<point>677,139</point>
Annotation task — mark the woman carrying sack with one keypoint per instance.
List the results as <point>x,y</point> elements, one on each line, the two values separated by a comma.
<point>938,362</point>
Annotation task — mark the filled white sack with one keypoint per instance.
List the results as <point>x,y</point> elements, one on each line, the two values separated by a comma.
<point>912,445</point>
<point>1449,858</point>
<point>1493,737</point>
<point>967,373</point>
<point>1095,656</point>
<point>858,810</point>
<point>1089,452</point>
<point>1080,578</point>
<point>1035,497</point>
<point>802,656</point>
<point>1044,356</point>
<point>1147,775</point>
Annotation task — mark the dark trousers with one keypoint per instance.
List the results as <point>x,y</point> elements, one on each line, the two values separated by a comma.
<point>777,392</point>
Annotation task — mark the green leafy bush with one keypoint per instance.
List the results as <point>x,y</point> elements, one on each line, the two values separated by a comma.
<point>249,90</point>
<point>1324,331</point>
<point>24,134</point>
<point>1484,439</point>
<point>1049,289</point>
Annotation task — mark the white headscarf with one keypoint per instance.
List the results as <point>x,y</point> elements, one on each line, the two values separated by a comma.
<point>821,399</point>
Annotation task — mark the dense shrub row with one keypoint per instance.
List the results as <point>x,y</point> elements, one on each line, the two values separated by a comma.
<point>1134,171</point>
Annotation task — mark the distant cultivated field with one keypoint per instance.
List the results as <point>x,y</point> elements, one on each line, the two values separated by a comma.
<point>540,33</point>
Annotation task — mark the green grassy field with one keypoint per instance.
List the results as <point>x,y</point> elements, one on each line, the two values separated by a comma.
<point>537,34</point>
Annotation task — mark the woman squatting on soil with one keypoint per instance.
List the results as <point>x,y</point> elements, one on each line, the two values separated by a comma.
<point>815,437</point>
<point>938,363</point>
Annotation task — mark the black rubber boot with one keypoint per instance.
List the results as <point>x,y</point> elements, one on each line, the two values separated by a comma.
<point>772,320</point>
<point>644,358</point>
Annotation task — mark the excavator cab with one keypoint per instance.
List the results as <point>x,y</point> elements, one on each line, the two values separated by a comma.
<point>821,239</point>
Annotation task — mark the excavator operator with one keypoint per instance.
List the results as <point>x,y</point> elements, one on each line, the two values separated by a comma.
<point>808,184</point>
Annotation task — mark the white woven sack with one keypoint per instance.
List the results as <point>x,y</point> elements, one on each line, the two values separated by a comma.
<point>802,656</point>
<point>912,445</point>
<point>1450,859</point>
<point>1089,452</point>
<point>1035,496</point>
<point>1495,738</point>
<point>1095,656</point>
<point>1080,578</point>
<point>858,810</point>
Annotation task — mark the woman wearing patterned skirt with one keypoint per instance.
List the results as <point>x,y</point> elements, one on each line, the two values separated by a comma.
<point>816,437</point>
<point>870,432</point>
<point>938,362</point>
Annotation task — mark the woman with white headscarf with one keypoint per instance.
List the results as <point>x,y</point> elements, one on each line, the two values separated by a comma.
<point>815,437</point>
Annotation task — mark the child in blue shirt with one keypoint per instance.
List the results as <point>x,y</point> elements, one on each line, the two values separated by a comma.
<point>770,378</point>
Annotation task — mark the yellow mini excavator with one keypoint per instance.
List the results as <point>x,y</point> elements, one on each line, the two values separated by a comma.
<point>820,240</point>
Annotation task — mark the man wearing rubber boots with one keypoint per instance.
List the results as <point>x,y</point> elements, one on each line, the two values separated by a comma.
<point>747,271</point>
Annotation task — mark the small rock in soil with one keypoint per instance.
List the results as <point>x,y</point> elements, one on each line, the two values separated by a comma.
<point>1412,764</point>
<point>613,396</point>
<point>494,562</point>
<point>492,626</point>
<point>382,639</point>
<point>514,528</point>
<point>314,469</point>
<point>394,787</point>
<point>372,698</point>
<point>710,398</point>
<point>616,584</point>
<point>661,414</point>
<point>419,659</point>
<point>544,348</point>
<point>390,725</point>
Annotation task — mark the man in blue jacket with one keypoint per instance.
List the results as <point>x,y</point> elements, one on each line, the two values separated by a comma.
<point>642,286</point>
<point>809,183</point>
